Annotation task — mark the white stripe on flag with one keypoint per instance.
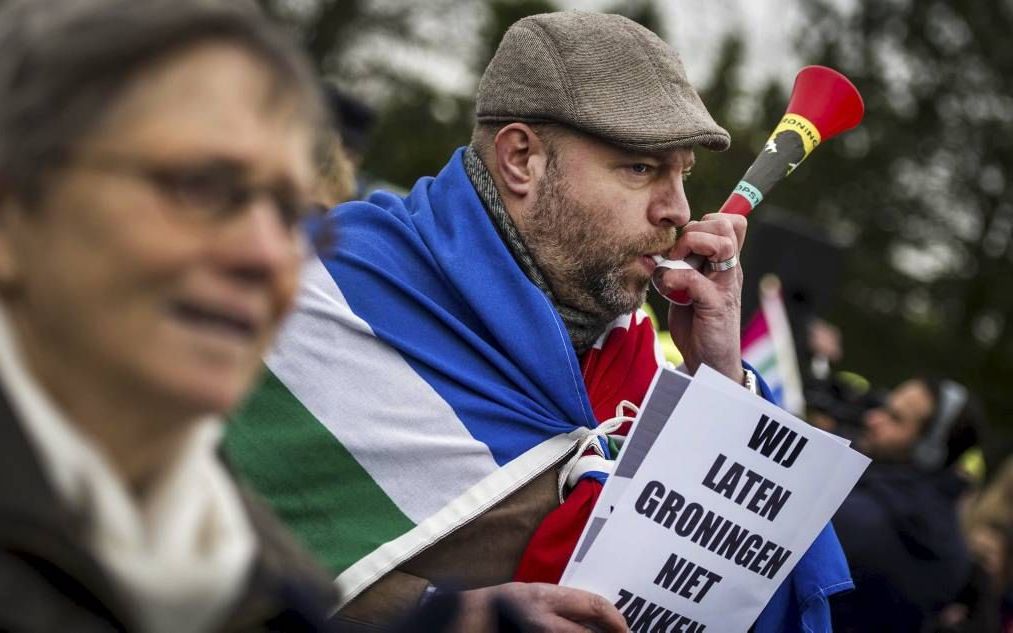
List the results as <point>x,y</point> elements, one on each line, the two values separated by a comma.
<point>371,400</point>
<point>761,353</point>
<point>473,502</point>
<point>784,346</point>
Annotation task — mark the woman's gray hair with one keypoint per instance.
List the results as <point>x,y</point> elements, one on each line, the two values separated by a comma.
<point>65,62</point>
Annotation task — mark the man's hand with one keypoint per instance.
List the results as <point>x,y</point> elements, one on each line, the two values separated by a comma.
<point>540,607</point>
<point>708,330</point>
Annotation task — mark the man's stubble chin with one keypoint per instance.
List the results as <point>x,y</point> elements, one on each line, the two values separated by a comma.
<point>587,268</point>
<point>619,290</point>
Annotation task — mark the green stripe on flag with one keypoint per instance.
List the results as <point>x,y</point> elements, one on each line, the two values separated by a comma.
<point>323,494</point>
<point>766,365</point>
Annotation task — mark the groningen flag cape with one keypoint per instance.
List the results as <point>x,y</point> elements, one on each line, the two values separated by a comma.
<point>421,379</point>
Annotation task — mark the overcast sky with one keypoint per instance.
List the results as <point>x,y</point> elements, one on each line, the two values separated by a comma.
<point>694,27</point>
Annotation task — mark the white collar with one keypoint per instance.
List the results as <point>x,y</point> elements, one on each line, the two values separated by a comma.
<point>181,555</point>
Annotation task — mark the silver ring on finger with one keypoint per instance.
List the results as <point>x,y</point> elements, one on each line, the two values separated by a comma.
<point>728,264</point>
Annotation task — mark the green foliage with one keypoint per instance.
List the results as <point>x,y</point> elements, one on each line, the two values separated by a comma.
<point>503,13</point>
<point>332,30</point>
<point>417,132</point>
<point>421,127</point>
<point>923,182</point>
<point>715,174</point>
<point>643,12</point>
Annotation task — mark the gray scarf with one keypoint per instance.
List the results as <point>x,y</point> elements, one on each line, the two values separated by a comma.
<point>583,327</point>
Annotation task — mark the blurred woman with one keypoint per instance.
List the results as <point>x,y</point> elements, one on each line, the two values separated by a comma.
<point>155,160</point>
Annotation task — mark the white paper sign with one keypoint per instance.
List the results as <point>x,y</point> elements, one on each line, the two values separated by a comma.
<point>663,394</point>
<point>711,505</point>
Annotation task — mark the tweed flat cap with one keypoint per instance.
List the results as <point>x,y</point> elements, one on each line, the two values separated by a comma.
<point>602,74</point>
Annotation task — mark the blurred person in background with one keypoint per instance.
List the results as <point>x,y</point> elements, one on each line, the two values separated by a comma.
<point>336,178</point>
<point>354,122</point>
<point>995,502</point>
<point>899,527</point>
<point>825,345</point>
<point>478,330</point>
<point>155,161</point>
<point>836,401</point>
<point>986,602</point>
<point>339,160</point>
<point>978,607</point>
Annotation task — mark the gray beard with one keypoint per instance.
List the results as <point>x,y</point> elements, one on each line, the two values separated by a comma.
<point>586,270</point>
<point>561,252</point>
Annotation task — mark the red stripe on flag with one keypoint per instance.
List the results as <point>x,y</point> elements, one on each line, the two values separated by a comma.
<point>755,330</point>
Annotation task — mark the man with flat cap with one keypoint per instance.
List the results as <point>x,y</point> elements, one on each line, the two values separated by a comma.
<point>438,412</point>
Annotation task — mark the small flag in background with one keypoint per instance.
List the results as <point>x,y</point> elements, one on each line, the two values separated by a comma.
<point>767,345</point>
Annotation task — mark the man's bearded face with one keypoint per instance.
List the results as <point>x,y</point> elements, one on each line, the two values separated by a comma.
<point>590,258</point>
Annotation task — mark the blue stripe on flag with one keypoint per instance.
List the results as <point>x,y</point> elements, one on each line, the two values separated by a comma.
<point>491,345</point>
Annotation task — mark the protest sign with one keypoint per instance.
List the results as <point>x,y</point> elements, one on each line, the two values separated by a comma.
<point>663,395</point>
<point>710,507</point>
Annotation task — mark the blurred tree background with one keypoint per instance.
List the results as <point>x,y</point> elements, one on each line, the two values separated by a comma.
<point>922,185</point>
<point>918,193</point>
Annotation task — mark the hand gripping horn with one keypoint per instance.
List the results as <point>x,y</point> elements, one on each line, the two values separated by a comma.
<point>823,104</point>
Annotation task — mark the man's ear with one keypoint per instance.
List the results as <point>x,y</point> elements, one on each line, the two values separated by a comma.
<point>521,158</point>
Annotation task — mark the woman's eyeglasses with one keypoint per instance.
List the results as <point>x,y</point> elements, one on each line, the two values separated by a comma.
<point>213,190</point>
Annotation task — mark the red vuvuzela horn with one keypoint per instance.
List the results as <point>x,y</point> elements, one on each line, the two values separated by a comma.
<point>823,104</point>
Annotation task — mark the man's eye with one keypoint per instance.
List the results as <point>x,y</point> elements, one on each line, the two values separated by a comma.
<point>641,168</point>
